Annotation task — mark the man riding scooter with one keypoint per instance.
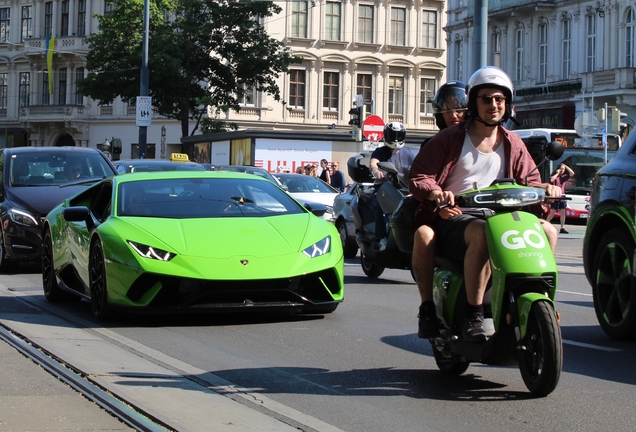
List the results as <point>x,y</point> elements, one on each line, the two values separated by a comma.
<point>402,157</point>
<point>479,151</point>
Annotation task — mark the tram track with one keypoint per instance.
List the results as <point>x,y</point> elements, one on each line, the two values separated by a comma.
<point>117,407</point>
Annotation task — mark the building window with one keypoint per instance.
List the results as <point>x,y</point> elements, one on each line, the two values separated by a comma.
<point>109,6</point>
<point>27,23</point>
<point>364,87</point>
<point>45,88</point>
<point>629,38</point>
<point>299,19</point>
<point>248,98</point>
<point>332,21</point>
<point>590,43</point>
<point>566,49</point>
<point>459,60</point>
<point>429,29</point>
<point>330,91</point>
<point>496,48</point>
<point>81,18</point>
<point>61,99</point>
<point>297,89</point>
<point>365,23</point>
<point>396,95</point>
<point>48,19</point>
<point>3,90</point>
<point>79,98</point>
<point>519,55</point>
<point>5,15</point>
<point>398,27</point>
<point>543,53</point>
<point>65,19</point>
<point>427,92</point>
<point>25,88</point>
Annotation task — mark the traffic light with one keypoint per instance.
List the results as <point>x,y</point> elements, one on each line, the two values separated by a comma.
<point>615,126</point>
<point>357,118</point>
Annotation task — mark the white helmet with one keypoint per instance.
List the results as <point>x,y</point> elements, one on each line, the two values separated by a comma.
<point>489,76</point>
<point>394,135</point>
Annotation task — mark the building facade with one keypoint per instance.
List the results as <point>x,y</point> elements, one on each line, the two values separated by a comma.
<point>566,58</point>
<point>391,52</point>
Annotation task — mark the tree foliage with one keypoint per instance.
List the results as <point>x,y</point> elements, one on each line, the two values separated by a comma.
<point>199,52</point>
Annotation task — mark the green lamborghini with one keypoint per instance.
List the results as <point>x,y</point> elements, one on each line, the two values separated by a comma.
<point>191,241</point>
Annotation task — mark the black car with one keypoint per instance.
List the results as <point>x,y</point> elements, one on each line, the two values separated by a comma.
<point>146,165</point>
<point>610,240</point>
<point>33,180</point>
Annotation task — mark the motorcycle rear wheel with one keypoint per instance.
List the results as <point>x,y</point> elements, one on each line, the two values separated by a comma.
<point>370,269</point>
<point>541,360</point>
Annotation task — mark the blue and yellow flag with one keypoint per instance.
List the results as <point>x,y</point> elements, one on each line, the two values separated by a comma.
<point>50,47</point>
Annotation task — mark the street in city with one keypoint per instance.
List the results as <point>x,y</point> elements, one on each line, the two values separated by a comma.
<point>360,368</point>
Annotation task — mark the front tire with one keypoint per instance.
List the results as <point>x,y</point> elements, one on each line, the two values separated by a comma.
<point>6,266</point>
<point>99,290</point>
<point>370,269</point>
<point>52,290</point>
<point>349,246</point>
<point>541,356</point>
<point>614,286</point>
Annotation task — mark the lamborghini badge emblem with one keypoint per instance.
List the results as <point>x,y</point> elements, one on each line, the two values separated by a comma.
<point>245,262</point>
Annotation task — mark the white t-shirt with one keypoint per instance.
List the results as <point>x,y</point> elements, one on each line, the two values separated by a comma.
<point>475,166</point>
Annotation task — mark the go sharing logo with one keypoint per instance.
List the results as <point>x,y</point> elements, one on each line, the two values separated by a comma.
<point>531,238</point>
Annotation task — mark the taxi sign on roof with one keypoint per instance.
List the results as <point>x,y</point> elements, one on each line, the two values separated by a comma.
<point>179,157</point>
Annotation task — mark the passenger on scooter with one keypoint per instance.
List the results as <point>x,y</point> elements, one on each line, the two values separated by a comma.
<point>479,150</point>
<point>450,105</point>
<point>401,157</point>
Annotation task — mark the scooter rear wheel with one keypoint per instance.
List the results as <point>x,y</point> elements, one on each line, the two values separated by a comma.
<point>451,364</point>
<point>541,360</point>
<point>370,269</point>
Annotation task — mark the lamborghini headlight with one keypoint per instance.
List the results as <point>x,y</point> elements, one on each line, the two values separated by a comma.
<point>22,217</point>
<point>319,248</point>
<point>151,252</point>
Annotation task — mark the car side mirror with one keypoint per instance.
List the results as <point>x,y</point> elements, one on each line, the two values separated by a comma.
<point>78,214</point>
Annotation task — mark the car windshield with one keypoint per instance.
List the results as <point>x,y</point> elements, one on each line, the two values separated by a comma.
<point>56,168</point>
<point>181,198</point>
<point>304,184</point>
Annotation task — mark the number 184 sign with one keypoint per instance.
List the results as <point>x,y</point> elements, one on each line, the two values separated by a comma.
<point>144,110</point>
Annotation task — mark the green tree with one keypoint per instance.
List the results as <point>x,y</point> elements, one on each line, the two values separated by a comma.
<point>200,52</point>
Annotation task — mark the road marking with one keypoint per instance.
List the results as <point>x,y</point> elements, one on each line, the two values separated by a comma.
<point>572,292</point>
<point>596,347</point>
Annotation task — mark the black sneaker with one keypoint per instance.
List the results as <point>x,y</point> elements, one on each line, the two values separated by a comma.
<point>473,330</point>
<point>564,231</point>
<point>428,324</point>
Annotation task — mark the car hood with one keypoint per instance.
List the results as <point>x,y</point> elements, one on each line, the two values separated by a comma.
<point>322,198</point>
<point>225,237</point>
<point>41,199</point>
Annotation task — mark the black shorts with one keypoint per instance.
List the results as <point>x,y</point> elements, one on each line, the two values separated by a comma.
<point>559,205</point>
<point>449,235</point>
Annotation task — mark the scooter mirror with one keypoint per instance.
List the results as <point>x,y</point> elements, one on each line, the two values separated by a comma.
<point>554,150</point>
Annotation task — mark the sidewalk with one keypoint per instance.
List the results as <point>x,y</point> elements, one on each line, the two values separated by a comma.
<point>34,400</point>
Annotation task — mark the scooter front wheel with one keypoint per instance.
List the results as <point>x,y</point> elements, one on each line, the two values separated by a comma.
<point>541,358</point>
<point>369,268</point>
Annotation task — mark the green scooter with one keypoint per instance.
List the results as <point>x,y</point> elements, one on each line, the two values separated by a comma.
<point>520,317</point>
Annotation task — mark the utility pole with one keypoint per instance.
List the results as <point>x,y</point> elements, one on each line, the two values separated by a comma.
<point>480,35</point>
<point>143,88</point>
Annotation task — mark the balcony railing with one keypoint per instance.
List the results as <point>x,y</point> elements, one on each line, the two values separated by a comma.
<point>51,112</point>
<point>68,44</point>
<point>614,79</point>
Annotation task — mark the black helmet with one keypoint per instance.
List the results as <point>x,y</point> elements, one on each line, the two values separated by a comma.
<point>394,135</point>
<point>450,96</point>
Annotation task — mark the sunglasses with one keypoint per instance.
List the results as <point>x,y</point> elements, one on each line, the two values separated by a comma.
<point>487,100</point>
<point>455,111</point>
